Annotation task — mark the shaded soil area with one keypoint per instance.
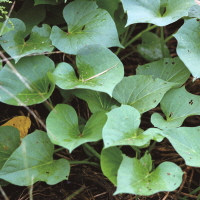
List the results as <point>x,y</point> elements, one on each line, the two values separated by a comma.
<point>86,182</point>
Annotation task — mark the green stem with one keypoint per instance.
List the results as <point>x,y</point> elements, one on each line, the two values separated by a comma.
<point>163,42</point>
<point>91,149</point>
<point>139,35</point>
<point>126,37</point>
<point>74,162</point>
<point>137,152</point>
<point>169,38</point>
<point>87,152</point>
<point>75,193</point>
<point>48,105</point>
<point>152,146</point>
<point>59,149</point>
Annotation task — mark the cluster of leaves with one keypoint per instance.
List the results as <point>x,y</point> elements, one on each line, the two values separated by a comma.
<point>116,102</point>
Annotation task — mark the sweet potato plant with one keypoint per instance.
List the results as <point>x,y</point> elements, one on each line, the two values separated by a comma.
<point>92,33</point>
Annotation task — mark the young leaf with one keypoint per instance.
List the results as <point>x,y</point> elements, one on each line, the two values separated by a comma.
<point>29,84</point>
<point>149,11</point>
<point>177,105</point>
<point>63,129</point>
<point>168,69</point>
<point>135,176</point>
<point>189,44</point>
<point>185,140</point>
<point>13,42</point>
<point>97,101</point>
<point>99,69</point>
<point>111,159</point>
<point>141,91</point>
<point>151,49</point>
<point>9,142</point>
<point>87,25</point>
<point>33,161</point>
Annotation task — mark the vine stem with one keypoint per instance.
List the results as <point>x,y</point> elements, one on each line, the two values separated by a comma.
<point>163,42</point>
<point>74,162</point>
<point>91,149</point>
<point>139,35</point>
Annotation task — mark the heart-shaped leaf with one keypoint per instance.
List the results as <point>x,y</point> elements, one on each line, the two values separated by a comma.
<point>28,83</point>
<point>99,69</point>
<point>33,161</point>
<point>111,159</point>
<point>97,101</point>
<point>135,176</point>
<point>63,129</point>
<point>128,133</point>
<point>149,11</point>
<point>185,140</point>
<point>10,141</point>
<point>125,134</point>
<point>177,105</point>
<point>141,91</point>
<point>151,48</point>
<point>13,42</point>
<point>168,69</point>
<point>87,25</point>
<point>189,44</point>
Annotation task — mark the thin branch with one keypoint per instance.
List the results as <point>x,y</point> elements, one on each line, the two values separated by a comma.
<point>101,73</point>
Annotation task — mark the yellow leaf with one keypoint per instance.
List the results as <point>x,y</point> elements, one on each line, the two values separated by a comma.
<point>22,123</point>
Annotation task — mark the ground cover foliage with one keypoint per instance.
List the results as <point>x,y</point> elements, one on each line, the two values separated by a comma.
<point>112,91</point>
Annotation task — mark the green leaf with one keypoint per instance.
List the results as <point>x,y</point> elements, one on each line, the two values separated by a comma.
<point>168,69</point>
<point>97,101</point>
<point>125,134</point>
<point>189,44</point>
<point>128,133</point>
<point>15,45</point>
<point>135,176</point>
<point>87,25</point>
<point>63,129</point>
<point>10,140</point>
<point>33,161</point>
<point>111,159</point>
<point>31,15</point>
<point>177,105</point>
<point>29,84</point>
<point>110,6</point>
<point>143,92</point>
<point>149,11</point>
<point>185,140</point>
<point>151,49</point>
<point>194,11</point>
<point>5,27</point>
<point>99,69</point>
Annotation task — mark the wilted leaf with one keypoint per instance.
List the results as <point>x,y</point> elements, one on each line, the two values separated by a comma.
<point>22,123</point>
